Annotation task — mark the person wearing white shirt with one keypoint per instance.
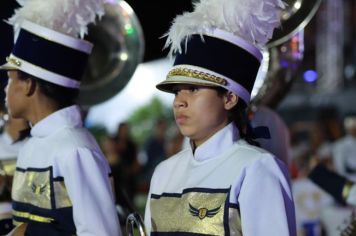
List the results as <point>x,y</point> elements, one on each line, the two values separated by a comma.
<point>344,150</point>
<point>221,184</point>
<point>62,181</point>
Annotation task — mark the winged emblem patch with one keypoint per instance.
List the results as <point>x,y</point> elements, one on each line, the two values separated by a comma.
<point>38,189</point>
<point>203,212</point>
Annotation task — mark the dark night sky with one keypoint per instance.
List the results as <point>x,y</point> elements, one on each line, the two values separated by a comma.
<point>155,18</point>
<point>6,38</point>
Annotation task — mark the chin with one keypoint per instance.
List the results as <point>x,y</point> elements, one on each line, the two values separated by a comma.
<point>185,131</point>
<point>13,115</point>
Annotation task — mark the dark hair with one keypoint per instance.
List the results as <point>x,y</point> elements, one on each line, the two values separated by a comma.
<point>63,96</point>
<point>2,104</point>
<point>238,115</point>
<point>3,82</point>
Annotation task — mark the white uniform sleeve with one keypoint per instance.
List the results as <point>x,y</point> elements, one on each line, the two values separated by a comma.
<point>265,200</point>
<point>147,218</point>
<point>339,156</point>
<point>88,185</point>
<point>154,184</point>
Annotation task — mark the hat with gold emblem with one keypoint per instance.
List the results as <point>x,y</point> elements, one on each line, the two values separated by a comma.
<point>220,42</point>
<point>48,39</point>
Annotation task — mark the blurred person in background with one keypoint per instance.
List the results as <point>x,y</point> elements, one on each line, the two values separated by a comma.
<point>344,149</point>
<point>155,149</point>
<point>271,132</point>
<point>338,218</point>
<point>335,176</point>
<point>121,152</point>
<point>310,200</point>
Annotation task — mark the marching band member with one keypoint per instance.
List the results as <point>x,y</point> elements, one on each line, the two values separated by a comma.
<point>221,184</point>
<point>339,187</point>
<point>61,184</point>
<point>344,149</point>
<point>13,132</point>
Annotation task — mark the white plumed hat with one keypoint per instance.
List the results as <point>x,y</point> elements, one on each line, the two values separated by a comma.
<point>49,39</point>
<point>220,42</point>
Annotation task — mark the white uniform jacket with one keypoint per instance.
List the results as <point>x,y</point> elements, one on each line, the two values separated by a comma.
<point>61,185</point>
<point>227,187</point>
<point>344,156</point>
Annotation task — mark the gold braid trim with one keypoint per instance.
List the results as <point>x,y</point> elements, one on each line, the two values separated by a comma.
<point>32,217</point>
<point>197,75</point>
<point>346,190</point>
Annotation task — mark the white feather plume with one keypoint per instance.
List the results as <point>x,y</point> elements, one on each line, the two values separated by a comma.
<point>69,17</point>
<point>252,20</point>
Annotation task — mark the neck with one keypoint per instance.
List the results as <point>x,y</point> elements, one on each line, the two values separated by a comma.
<point>42,108</point>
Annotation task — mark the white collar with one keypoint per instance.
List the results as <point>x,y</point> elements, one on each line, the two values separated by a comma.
<point>218,143</point>
<point>66,117</point>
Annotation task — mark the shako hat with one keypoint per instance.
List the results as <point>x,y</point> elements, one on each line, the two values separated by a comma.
<point>48,39</point>
<point>220,43</point>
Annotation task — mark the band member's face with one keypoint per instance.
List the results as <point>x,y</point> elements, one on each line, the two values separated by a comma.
<point>16,91</point>
<point>199,112</point>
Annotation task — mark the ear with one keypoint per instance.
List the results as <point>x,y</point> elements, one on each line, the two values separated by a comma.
<point>230,100</point>
<point>30,87</point>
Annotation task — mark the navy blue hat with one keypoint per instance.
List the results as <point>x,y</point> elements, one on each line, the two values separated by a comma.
<point>49,55</point>
<point>220,44</point>
<point>217,58</point>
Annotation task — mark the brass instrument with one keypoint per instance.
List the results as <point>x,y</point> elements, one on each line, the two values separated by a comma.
<point>350,228</point>
<point>134,219</point>
<point>118,49</point>
<point>294,18</point>
<point>284,52</point>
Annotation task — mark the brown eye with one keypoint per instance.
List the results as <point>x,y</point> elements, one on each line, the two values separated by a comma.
<point>193,89</point>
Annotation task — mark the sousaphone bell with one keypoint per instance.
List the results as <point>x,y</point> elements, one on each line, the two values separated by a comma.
<point>284,52</point>
<point>118,49</point>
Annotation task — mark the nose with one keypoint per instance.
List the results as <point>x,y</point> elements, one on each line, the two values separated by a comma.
<point>179,101</point>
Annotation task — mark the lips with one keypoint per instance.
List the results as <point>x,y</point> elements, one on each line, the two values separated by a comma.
<point>181,119</point>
